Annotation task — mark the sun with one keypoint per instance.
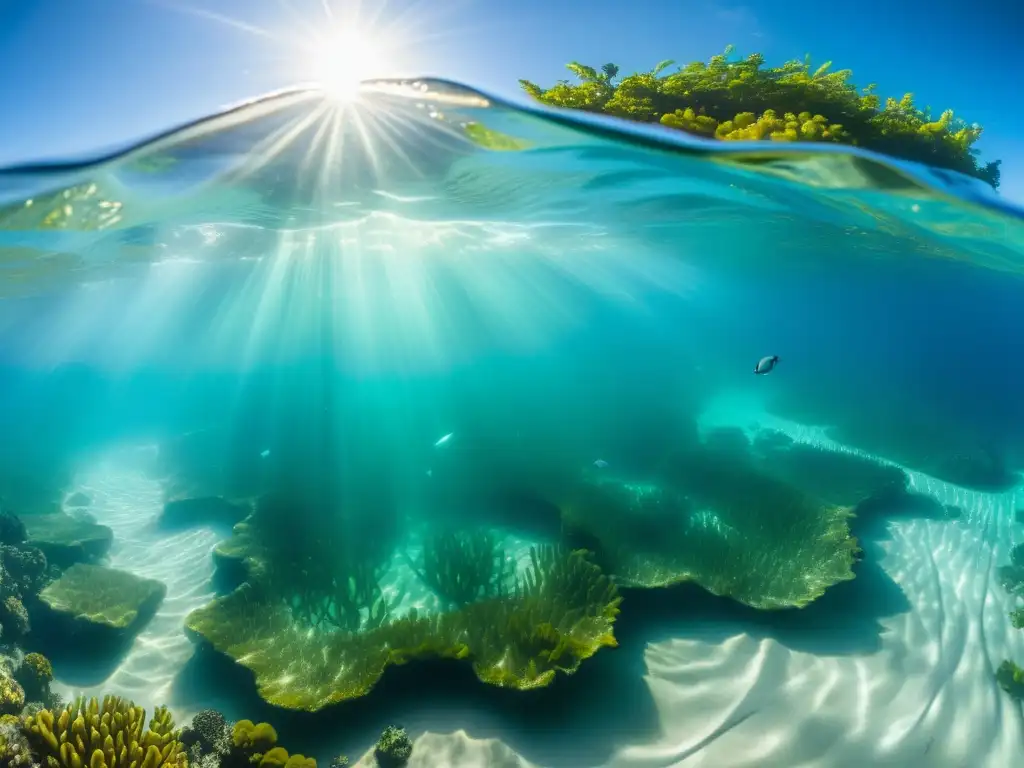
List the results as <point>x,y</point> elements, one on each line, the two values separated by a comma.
<point>341,61</point>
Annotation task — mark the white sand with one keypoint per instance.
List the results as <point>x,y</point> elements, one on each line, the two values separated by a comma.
<point>127,500</point>
<point>726,695</point>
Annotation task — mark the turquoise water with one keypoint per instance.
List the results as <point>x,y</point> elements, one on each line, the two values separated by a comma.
<point>350,386</point>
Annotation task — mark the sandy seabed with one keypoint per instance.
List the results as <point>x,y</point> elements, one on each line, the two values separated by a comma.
<point>725,692</point>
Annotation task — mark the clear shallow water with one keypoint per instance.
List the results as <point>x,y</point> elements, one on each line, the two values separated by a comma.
<point>302,296</point>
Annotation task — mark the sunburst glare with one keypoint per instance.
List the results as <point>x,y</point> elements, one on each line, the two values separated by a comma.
<point>340,62</point>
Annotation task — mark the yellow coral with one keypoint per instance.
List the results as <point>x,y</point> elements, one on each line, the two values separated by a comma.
<point>110,735</point>
<point>40,665</point>
<point>274,758</point>
<point>258,738</point>
<point>12,695</point>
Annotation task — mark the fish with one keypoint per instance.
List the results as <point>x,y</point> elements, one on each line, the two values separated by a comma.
<point>601,464</point>
<point>264,454</point>
<point>444,440</point>
<point>766,364</point>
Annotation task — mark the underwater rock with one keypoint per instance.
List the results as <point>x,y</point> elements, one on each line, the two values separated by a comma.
<point>78,499</point>
<point>240,557</point>
<point>67,540</point>
<point>560,613</point>
<point>99,598</point>
<point>205,510</point>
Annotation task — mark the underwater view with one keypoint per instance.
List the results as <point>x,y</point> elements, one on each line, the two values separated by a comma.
<point>664,419</point>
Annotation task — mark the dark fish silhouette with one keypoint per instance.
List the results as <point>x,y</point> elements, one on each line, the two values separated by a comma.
<point>766,364</point>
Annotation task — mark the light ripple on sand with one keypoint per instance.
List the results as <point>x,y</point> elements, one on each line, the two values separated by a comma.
<point>926,698</point>
<point>127,500</point>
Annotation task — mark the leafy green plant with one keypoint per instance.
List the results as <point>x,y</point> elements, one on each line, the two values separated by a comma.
<point>462,567</point>
<point>560,613</point>
<point>740,99</point>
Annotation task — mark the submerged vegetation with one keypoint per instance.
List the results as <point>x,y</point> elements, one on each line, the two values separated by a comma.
<point>558,614</point>
<point>741,99</point>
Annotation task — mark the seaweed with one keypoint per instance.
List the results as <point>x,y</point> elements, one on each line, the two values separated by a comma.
<point>558,614</point>
<point>717,519</point>
<point>462,567</point>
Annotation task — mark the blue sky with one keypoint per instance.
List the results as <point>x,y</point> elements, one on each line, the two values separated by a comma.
<point>82,75</point>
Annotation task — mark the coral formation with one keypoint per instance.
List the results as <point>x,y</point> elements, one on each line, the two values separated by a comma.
<point>213,743</point>
<point>257,738</point>
<point>23,572</point>
<point>462,567</point>
<point>14,748</point>
<point>558,614</point>
<point>105,735</point>
<point>12,695</point>
<point>34,674</point>
<point>103,597</point>
<point>393,748</point>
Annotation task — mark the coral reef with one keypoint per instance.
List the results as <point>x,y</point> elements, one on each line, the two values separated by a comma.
<point>34,675</point>
<point>105,735</point>
<point>560,613</point>
<point>462,567</point>
<point>23,572</point>
<point>14,748</point>
<point>103,597</point>
<point>213,743</point>
<point>12,695</point>
<point>393,748</point>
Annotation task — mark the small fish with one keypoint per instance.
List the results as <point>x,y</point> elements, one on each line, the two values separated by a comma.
<point>601,464</point>
<point>444,440</point>
<point>430,473</point>
<point>264,454</point>
<point>766,364</point>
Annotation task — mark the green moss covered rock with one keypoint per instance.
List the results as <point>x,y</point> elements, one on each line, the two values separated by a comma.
<point>203,510</point>
<point>103,597</point>
<point>66,540</point>
<point>560,613</point>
